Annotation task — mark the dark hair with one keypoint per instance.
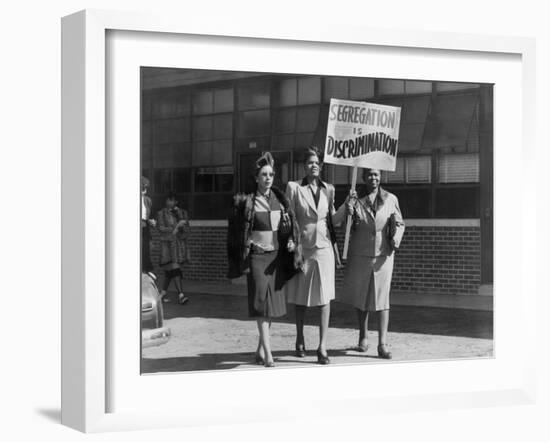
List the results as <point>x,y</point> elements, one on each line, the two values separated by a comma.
<point>366,170</point>
<point>170,196</point>
<point>265,160</point>
<point>309,152</point>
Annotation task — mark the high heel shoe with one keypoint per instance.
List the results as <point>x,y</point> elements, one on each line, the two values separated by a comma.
<point>300,351</point>
<point>269,364</point>
<point>383,352</point>
<point>322,359</point>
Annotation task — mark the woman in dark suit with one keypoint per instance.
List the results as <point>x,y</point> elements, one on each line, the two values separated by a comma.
<point>377,231</point>
<point>261,245</point>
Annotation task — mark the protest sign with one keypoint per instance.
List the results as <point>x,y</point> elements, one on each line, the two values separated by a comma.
<point>361,134</point>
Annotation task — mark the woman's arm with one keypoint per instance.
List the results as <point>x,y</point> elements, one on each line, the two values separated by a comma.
<point>340,215</point>
<point>399,224</point>
<point>162,225</point>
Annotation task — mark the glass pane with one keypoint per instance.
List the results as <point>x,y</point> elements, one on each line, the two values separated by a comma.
<point>415,109</point>
<point>419,169</point>
<point>182,180</point>
<point>283,142</point>
<point>457,202</point>
<point>182,105</point>
<point>309,90</point>
<point>223,182</point>
<point>172,131</point>
<point>222,152</point>
<point>391,87</point>
<point>410,137</point>
<point>163,107</point>
<point>398,176</point>
<point>461,168</point>
<point>202,153</point>
<point>203,128</point>
<point>308,119</point>
<point>303,140</point>
<point>204,182</point>
<point>254,95</point>
<point>288,92</point>
<point>146,132</point>
<point>449,121</point>
<point>445,87</point>
<point>162,181</point>
<point>223,100</point>
<point>361,88</point>
<point>254,123</point>
<point>145,107</point>
<point>285,121</point>
<point>146,150</point>
<point>472,144</point>
<point>336,87</point>
<point>414,201</point>
<point>212,206</point>
<point>182,155</point>
<point>203,102</point>
<point>163,155</point>
<point>418,87</point>
<point>223,126</point>
<point>341,174</point>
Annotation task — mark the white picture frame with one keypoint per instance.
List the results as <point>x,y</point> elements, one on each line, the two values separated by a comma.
<point>85,229</point>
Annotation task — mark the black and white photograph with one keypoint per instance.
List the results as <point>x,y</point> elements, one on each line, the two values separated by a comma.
<point>292,220</point>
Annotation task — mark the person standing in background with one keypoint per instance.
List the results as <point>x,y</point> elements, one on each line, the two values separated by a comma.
<point>173,225</point>
<point>146,223</point>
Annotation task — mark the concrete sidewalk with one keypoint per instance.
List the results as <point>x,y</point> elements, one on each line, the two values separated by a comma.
<point>213,331</point>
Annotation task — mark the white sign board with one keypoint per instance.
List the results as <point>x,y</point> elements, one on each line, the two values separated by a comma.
<point>362,134</point>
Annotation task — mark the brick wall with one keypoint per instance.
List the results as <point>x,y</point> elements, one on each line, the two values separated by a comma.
<point>433,258</point>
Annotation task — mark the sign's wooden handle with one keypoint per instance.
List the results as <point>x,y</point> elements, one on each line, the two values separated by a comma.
<point>348,224</point>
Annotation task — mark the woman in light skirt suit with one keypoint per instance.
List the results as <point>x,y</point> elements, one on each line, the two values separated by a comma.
<point>377,231</point>
<point>312,201</point>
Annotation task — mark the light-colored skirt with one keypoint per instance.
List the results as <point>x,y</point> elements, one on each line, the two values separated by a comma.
<point>367,282</point>
<point>313,286</point>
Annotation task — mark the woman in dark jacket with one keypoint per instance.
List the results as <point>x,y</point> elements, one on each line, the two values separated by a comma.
<point>261,244</point>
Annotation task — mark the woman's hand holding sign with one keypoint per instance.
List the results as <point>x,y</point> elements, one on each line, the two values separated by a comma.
<point>350,201</point>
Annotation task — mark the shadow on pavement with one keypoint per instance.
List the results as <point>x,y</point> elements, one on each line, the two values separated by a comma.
<point>226,361</point>
<point>403,319</point>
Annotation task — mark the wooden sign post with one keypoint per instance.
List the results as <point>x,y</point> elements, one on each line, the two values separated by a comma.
<point>350,221</point>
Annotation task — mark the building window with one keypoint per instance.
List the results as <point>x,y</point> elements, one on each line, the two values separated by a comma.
<point>214,179</point>
<point>459,168</point>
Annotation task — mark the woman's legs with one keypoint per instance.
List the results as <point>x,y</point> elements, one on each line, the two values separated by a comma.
<point>300,318</point>
<point>323,328</point>
<point>265,342</point>
<point>363,320</point>
<point>383,322</point>
<point>178,282</point>
<point>168,276</point>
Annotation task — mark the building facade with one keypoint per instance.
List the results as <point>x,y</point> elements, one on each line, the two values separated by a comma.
<point>203,130</point>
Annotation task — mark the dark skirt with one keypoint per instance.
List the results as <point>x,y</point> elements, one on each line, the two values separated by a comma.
<point>264,300</point>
